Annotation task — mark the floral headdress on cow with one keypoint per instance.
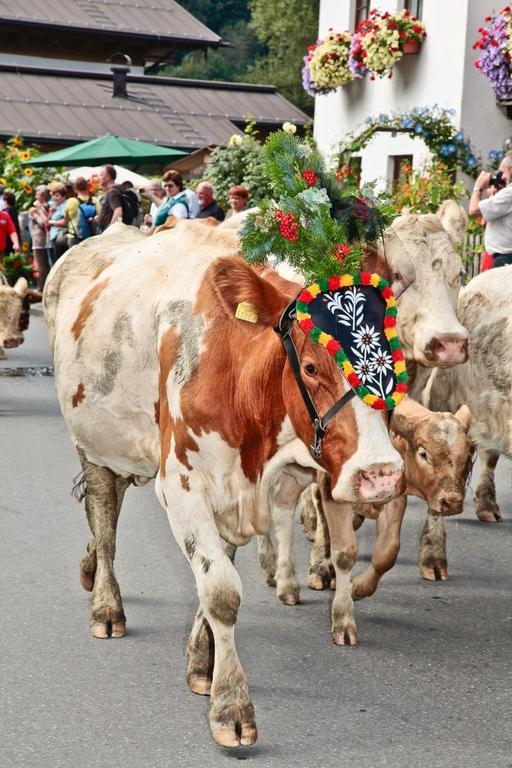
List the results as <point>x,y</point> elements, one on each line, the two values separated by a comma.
<point>318,224</point>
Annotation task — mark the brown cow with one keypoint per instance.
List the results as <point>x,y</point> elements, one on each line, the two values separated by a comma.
<point>156,376</point>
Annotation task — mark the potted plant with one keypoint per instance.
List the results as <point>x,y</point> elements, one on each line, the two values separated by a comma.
<point>411,31</point>
<point>495,46</point>
<point>380,41</point>
<point>326,65</point>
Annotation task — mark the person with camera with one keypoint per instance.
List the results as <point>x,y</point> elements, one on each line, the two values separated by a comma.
<point>496,210</point>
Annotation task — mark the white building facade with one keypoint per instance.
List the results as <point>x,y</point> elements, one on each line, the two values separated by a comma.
<point>442,73</point>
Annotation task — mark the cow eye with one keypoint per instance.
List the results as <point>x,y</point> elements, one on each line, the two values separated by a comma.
<point>397,276</point>
<point>423,454</point>
<point>310,368</point>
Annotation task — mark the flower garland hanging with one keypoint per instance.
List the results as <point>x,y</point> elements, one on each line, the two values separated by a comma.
<point>432,124</point>
<point>374,361</point>
<point>326,64</point>
<point>313,221</point>
<point>495,46</point>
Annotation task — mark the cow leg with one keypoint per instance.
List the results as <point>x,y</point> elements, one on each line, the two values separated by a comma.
<point>385,550</point>
<point>343,541</point>
<point>433,563</point>
<point>321,571</point>
<point>487,509</point>
<point>267,558</point>
<point>105,492</point>
<point>284,501</point>
<point>308,510</point>
<point>219,588</point>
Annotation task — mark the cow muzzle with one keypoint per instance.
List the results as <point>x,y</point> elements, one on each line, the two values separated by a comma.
<point>447,350</point>
<point>380,482</point>
<point>448,503</point>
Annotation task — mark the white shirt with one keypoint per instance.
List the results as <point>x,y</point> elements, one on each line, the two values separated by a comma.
<point>497,212</point>
<point>193,202</point>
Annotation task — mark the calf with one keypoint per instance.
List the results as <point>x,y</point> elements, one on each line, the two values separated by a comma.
<point>437,458</point>
<point>157,376</point>
<point>11,300</point>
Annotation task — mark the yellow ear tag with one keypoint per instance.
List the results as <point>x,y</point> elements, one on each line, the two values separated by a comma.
<point>246,311</point>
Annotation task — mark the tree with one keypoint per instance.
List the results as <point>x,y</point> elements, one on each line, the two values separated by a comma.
<point>286,30</point>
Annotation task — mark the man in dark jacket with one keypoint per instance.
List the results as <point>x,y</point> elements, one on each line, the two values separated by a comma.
<point>112,201</point>
<point>208,203</point>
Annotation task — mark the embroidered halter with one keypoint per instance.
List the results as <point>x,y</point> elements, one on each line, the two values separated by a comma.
<point>354,318</point>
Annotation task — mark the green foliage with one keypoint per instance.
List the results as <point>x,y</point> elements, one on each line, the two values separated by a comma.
<point>214,13</point>
<point>285,30</point>
<point>241,162</point>
<point>20,179</point>
<point>311,220</point>
<point>15,265</point>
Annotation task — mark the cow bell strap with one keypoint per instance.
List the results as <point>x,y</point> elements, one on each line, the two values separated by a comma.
<point>319,423</point>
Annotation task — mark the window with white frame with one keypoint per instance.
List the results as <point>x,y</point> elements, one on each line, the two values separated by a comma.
<point>361,11</point>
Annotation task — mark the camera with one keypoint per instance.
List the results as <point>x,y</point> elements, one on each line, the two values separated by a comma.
<point>497,180</point>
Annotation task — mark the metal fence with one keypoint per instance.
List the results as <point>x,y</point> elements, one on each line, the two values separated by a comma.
<point>472,252</point>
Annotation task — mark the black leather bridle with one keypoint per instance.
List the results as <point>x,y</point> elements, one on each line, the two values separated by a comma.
<point>284,330</point>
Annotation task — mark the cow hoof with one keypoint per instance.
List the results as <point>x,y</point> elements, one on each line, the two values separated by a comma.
<point>348,636</point>
<point>118,629</point>
<point>200,684</point>
<point>290,598</point>
<point>435,573</point>
<point>102,630</point>
<point>271,581</point>
<point>332,584</point>
<point>315,581</point>
<point>86,580</point>
<point>99,630</point>
<point>489,517</point>
<point>230,736</point>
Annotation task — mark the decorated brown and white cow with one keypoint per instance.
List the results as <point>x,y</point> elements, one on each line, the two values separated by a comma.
<point>11,300</point>
<point>484,383</point>
<point>157,376</point>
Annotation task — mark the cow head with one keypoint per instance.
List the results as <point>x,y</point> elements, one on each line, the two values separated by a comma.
<point>421,255</point>
<point>356,450</point>
<point>437,454</point>
<point>10,310</point>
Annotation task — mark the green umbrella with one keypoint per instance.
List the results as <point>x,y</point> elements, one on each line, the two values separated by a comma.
<point>107,149</point>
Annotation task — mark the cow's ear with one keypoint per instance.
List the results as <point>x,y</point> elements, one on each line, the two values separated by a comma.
<point>21,287</point>
<point>402,425</point>
<point>244,295</point>
<point>463,416</point>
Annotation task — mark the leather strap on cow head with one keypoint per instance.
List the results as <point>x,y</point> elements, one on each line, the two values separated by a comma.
<point>283,329</point>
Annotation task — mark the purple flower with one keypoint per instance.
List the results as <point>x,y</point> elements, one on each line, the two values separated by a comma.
<point>494,60</point>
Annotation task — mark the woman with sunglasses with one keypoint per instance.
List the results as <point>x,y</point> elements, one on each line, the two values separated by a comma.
<point>176,203</point>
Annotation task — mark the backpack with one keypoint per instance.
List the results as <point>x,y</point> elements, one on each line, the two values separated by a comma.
<point>85,225</point>
<point>130,204</point>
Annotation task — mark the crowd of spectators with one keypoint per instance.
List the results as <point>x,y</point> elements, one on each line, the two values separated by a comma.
<point>64,214</point>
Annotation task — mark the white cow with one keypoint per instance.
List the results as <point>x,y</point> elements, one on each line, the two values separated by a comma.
<point>10,310</point>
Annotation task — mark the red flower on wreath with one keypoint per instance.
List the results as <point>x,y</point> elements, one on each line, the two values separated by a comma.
<point>309,176</point>
<point>288,225</point>
<point>341,251</point>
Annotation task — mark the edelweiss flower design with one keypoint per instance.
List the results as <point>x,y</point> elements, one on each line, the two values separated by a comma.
<point>382,360</point>
<point>365,369</point>
<point>366,337</point>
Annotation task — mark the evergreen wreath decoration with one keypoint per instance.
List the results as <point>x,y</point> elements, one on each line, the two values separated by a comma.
<point>378,375</point>
<point>313,221</point>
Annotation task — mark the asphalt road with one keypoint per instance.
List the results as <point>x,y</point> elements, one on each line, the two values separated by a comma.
<point>429,685</point>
